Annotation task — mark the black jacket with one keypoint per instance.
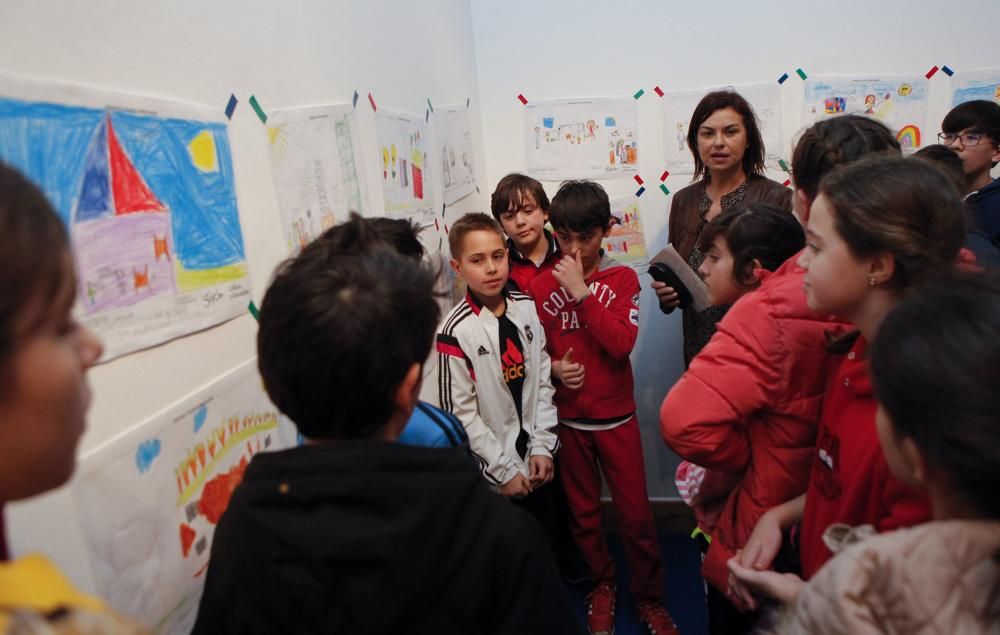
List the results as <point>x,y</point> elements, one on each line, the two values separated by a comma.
<point>377,537</point>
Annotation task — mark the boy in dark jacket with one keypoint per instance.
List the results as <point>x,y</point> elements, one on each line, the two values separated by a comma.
<point>353,532</point>
<point>589,308</point>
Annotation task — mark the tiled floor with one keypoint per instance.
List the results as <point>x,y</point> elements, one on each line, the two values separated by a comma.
<point>684,593</point>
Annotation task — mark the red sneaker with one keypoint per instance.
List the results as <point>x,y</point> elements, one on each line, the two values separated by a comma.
<point>601,610</point>
<point>656,618</point>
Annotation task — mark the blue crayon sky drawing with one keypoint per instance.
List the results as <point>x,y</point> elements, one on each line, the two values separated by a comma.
<point>118,178</point>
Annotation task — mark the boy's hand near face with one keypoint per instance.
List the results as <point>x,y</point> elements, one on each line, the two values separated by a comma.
<point>542,469</point>
<point>568,273</point>
<point>517,487</point>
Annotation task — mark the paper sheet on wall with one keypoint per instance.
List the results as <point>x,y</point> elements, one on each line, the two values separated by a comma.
<point>453,132</point>
<point>146,190</point>
<point>149,501</point>
<point>898,101</point>
<point>317,168</point>
<point>679,105</point>
<point>407,189</point>
<point>978,84</point>
<point>582,138</point>
<point>626,242</point>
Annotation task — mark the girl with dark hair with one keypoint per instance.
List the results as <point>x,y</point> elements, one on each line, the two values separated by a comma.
<point>44,397</point>
<point>934,365</point>
<point>728,152</point>
<point>747,408</point>
<point>878,230</point>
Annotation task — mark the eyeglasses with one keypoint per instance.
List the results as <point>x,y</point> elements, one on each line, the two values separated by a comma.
<point>968,139</point>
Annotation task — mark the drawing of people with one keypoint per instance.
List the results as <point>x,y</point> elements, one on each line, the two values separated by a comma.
<point>870,102</point>
<point>681,137</point>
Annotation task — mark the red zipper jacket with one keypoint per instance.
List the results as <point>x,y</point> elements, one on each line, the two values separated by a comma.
<point>522,270</point>
<point>601,330</point>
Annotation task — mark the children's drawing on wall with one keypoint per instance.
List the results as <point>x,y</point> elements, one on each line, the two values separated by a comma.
<point>900,102</point>
<point>453,132</point>
<point>317,169</point>
<point>977,84</point>
<point>149,501</point>
<point>581,138</point>
<point>403,145</point>
<point>679,105</point>
<point>626,242</point>
<point>146,190</point>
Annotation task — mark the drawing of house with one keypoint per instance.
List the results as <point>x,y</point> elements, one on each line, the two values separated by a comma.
<point>121,231</point>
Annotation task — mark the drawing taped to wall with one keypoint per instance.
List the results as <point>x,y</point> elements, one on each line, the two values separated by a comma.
<point>407,190</point>
<point>317,168</point>
<point>149,501</point>
<point>453,132</point>
<point>581,139</point>
<point>898,101</point>
<point>977,84</point>
<point>626,242</point>
<point>679,106</point>
<point>146,190</point>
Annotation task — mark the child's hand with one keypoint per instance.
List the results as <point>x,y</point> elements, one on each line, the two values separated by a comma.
<point>567,371</point>
<point>542,469</point>
<point>517,487</point>
<point>568,272</point>
<point>783,587</point>
<point>668,298</point>
<point>763,544</point>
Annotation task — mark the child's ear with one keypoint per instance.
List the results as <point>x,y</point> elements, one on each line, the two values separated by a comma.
<point>749,277</point>
<point>456,266</point>
<point>801,206</point>
<point>915,460</point>
<point>881,268</point>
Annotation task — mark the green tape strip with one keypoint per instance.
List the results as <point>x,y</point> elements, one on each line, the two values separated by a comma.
<point>253,310</point>
<point>257,109</point>
<point>801,73</point>
<point>783,165</point>
<point>663,187</point>
<point>639,94</point>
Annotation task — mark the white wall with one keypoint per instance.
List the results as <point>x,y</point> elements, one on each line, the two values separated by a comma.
<point>590,48</point>
<point>288,54</point>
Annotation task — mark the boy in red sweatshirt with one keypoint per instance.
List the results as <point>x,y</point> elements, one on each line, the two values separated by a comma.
<point>520,205</point>
<point>589,307</point>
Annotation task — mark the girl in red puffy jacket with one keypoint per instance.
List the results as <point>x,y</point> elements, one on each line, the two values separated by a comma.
<point>748,407</point>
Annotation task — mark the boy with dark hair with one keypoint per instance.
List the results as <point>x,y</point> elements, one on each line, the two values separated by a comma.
<point>429,426</point>
<point>520,205</point>
<point>352,532</point>
<point>589,306</point>
<point>972,131</point>
<point>494,372</point>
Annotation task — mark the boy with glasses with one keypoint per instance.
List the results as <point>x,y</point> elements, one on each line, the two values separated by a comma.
<point>972,131</point>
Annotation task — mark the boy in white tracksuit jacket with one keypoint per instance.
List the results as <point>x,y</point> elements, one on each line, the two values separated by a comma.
<point>491,348</point>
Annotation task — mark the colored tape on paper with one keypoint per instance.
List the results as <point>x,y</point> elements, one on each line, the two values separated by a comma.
<point>257,109</point>
<point>522,99</point>
<point>783,78</point>
<point>783,165</point>
<point>801,73</point>
<point>354,102</point>
<point>640,191</point>
<point>638,179</point>
<point>371,100</point>
<point>231,106</point>
<point>664,189</point>
<point>253,310</point>
<point>931,72</point>
<point>947,71</point>
<point>787,182</point>
<point>663,177</point>
<point>658,91</point>
<point>639,93</point>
